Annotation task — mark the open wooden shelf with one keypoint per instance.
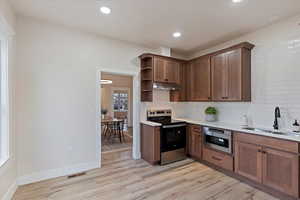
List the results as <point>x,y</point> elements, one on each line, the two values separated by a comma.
<point>147,78</point>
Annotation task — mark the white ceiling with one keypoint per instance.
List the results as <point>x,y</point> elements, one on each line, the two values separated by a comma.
<point>203,23</point>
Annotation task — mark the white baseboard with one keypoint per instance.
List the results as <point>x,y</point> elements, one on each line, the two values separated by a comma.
<point>11,191</point>
<point>54,173</point>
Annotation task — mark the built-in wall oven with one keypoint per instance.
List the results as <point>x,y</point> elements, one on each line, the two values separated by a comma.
<point>218,139</point>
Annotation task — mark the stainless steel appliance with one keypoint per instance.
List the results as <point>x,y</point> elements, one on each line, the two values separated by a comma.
<point>172,136</point>
<point>218,139</point>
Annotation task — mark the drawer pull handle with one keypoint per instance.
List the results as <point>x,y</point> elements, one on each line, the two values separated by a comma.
<point>215,158</point>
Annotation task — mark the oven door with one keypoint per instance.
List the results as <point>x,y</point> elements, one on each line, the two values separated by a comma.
<point>173,137</point>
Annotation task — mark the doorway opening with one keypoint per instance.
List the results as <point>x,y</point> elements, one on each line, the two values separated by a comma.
<point>116,113</point>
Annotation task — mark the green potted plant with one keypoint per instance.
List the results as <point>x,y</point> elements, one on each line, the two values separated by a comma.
<point>211,114</point>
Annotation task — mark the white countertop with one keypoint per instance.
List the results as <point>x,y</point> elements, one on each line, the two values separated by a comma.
<point>238,128</point>
<point>150,123</point>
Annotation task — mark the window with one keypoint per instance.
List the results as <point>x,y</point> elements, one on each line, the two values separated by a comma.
<point>4,105</point>
<point>120,101</point>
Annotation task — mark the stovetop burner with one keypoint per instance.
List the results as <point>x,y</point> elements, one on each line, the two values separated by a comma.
<point>163,117</point>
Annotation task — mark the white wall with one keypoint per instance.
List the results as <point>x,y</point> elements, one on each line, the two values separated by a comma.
<point>56,87</point>
<point>275,77</point>
<point>8,172</point>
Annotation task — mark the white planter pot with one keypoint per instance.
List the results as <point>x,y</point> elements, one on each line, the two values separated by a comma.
<point>210,118</point>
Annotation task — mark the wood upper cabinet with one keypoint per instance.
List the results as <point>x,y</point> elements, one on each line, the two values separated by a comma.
<point>281,171</point>
<point>199,79</point>
<point>248,161</point>
<point>172,71</point>
<point>219,76</point>
<point>224,75</point>
<point>231,75</point>
<point>195,142</point>
<point>181,94</point>
<point>159,70</point>
<point>234,75</point>
<point>166,70</point>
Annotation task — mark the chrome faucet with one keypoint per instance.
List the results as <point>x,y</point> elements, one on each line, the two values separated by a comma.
<point>277,115</point>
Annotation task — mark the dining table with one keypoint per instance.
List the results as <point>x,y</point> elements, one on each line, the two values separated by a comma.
<point>112,126</point>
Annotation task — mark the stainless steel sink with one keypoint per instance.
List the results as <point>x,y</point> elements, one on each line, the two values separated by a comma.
<point>268,131</point>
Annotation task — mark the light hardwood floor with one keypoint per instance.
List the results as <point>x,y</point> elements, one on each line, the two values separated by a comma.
<point>126,179</point>
<point>114,144</point>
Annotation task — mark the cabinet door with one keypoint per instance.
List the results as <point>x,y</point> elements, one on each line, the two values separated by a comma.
<point>159,70</point>
<point>181,94</point>
<point>234,67</point>
<point>188,81</point>
<point>281,171</point>
<point>219,69</point>
<point>200,79</point>
<point>150,143</point>
<point>195,142</point>
<point>172,71</point>
<point>248,161</point>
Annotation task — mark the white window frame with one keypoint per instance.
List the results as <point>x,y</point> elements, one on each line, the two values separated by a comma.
<point>4,100</point>
<point>120,89</point>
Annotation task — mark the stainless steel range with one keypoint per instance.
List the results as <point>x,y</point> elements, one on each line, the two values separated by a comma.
<point>172,135</point>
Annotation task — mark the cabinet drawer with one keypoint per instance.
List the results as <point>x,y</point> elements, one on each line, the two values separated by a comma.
<point>218,158</point>
<point>274,143</point>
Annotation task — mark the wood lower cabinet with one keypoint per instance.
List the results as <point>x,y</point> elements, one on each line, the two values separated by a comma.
<point>281,171</point>
<point>195,142</point>
<point>267,161</point>
<point>218,158</point>
<point>248,161</point>
<point>150,143</point>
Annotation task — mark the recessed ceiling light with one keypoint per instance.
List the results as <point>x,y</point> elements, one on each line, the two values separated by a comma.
<point>176,34</point>
<point>237,1</point>
<point>105,10</point>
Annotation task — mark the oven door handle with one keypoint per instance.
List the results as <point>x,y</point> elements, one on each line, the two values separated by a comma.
<point>174,126</point>
<point>214,134</point>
